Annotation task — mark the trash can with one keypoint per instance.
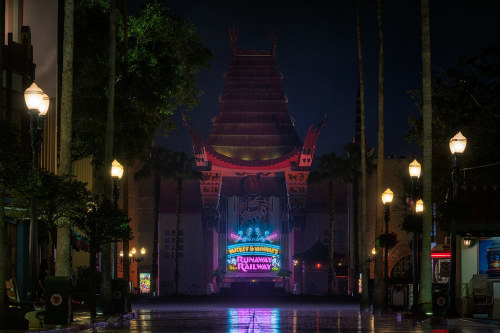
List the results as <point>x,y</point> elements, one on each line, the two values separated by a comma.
<point>57,300</point>
<point>119,291</point>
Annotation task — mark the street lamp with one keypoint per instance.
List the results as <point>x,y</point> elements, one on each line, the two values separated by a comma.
<point>38,104</point>
<point>419,206</point>
<point>457,147</point>
<point>386,200</point>
<point>116,174</point>
<point>132,257</point>
<point>414,169</point>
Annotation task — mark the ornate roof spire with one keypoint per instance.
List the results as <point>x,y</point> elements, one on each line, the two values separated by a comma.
<point>233,36</point>
<point>273,37</point>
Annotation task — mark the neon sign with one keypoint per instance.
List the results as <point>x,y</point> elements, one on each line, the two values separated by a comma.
<point>253,263</point>
<point>253,251</point>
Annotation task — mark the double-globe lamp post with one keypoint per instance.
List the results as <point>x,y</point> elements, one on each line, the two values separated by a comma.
<point>116,174</point>
<point>386,200</point>
<point>37,103</point>
<point>457,147</point>
<point>415,170</point>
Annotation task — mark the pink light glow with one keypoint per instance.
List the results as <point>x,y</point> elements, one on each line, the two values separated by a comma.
<point>272,237</point>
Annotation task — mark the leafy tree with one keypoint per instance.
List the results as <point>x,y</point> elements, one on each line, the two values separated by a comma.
<point>58,198</point>
<point>102,224</point>
<point>154,80</point>
<point>331,168</point>
<point>463,99</point>
<point>166,164</point>
<point>13,166</point>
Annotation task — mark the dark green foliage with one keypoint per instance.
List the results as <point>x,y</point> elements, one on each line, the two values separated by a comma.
<point>464,99</point>
<point>388,240</point>
<point>103,223</point>
<point>412,223</point>
<point>164,56</point>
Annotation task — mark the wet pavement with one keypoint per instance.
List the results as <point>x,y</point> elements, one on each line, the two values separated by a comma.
<point>286,317</point>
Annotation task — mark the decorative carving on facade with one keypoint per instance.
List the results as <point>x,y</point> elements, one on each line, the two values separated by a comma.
<point>296,185</point>
<point>253,210</point>
<point>307,153</point>
<point>252,184</point>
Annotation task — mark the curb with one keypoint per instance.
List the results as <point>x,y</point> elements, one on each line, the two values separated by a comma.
<point>84,327</point>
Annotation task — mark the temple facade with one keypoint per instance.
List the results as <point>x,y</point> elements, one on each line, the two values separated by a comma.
<point>255,169</point>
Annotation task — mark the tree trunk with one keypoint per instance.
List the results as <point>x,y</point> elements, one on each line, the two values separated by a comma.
<point>425,296</point>
<point>106,292</point>
<point>154,266</point>
<point>3,262</point>
<point>50,248</point>
<point>177,227</point>
<point>126,244</point>
<point>331,193</point>
<point>379,292</point>
<point>63,260</point>
<point>92,285</point>
<point>365,269</point>
<point>355,218</point>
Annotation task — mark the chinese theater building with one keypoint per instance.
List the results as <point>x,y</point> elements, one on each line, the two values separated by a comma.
<point>255,169</point>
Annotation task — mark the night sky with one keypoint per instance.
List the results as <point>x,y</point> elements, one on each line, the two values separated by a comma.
<point>317,54</point>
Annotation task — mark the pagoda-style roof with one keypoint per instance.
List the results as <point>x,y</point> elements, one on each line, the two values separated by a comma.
<point>253,123</point>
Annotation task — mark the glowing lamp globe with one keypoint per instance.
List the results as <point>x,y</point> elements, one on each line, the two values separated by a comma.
<point>143,251</point>
<point>44,105</point>
<point>415,168</point>
<point>387,196</point>
<point>419,206</point>
<point>33,96</point>
<point>467,242</point>
<point>116,169</point>
<point>133,251</point>
<point>458,143</point>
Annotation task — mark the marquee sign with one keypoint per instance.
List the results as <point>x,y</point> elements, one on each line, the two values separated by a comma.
<point>253,251</point>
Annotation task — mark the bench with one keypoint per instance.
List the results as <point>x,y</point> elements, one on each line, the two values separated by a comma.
<point>22,315</point>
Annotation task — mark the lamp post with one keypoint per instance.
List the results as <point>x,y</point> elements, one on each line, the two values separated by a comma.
<point>132,257</point>
<point>457,147</point>
<point>38,104</point>
<point>116,174</point>
<point>414,169</point>
<point>386,200</point>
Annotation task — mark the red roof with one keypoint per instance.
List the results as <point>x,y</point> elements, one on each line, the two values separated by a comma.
<point>253,122</point>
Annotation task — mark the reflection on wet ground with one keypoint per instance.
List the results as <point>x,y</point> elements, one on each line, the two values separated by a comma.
<point>310,318</point>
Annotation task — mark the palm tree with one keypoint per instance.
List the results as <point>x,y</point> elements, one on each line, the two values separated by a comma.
<point>425,295</point>
<point>166,164</point>
<point>378,291</point>
<point>63,262</point>
<point>365,269</point>
<point>331,168</point>
<point>107,299</point>
<point>181,167</point>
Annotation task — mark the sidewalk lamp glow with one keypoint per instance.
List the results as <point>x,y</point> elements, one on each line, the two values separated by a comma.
<point>415,169</point>
<point>116,170</point>
<point>33,96</point>
<point>121,253</point>
<point>133,251</point>
<point>374,251</point>
<point>467,241</point>
<point>143,251</point>
<point>387,196</point>
<point>458,143</point>
<point>43,107</point>
<point>419,206</point>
